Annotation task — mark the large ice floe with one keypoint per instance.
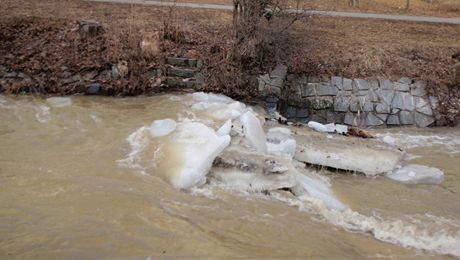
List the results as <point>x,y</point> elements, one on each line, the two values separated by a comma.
<point>223,141</point>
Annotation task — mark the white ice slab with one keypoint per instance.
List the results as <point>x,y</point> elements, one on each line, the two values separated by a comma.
<point>417,174</point>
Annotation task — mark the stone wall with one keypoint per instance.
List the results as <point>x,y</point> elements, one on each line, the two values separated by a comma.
<point>348,101</point>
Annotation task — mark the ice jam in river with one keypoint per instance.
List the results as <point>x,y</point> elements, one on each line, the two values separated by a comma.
<point>202,175</point>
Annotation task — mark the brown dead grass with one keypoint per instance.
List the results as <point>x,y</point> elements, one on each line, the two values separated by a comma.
<point>318,45</point>
<point>445,8</point>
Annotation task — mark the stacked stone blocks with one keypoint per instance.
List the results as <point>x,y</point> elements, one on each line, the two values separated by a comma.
<point>356,101</point>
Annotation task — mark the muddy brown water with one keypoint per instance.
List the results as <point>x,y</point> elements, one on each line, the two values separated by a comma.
<point>64,194</point>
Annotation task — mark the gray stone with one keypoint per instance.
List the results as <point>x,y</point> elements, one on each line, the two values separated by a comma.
<point>271,99</point>
<point>321,104</point>
<point>271,107</point>
<point>418,89</point>
<point>425,110</point>
<point>181,83</point>
<point>115,72</point>
<point>420,102</point>
<point>374,84</point>
<point>362,93</point>
<point>277,82</point>
<point>405,80</point>
<point>302,112</point>
<point>394,111</point>
<point>387,96</point>
<point>337,82</point>
<point>373,120</point>
<point>393,120</point>
<point>372,96</point>
<point>309,90</point>
<point>182,62</point>
<point>382,117</point>
<point>314,79</point>
<point>434,101</point>
<point>334,117</point>
<point>423,120</point>
<point>270,90</point>
<point>89,28</point>
<point>326,90</point>
<point>401,87</point>
<point>180,72</point>
<point>347,84</point>
<point>265,79</point>
<point>382,108</point>
<point>349,118</point>
<point>291,112</point>
<point>403,101</point>
<point>406,118</point>
<point>386,84</point>
<point>361,84</point>
<point>343,93</point>
<point>355,104</point>
<point>319,116</point>
<point>280,71</point>
<point>368,107</point>
<point>93,89</point>
<point>341,104</point>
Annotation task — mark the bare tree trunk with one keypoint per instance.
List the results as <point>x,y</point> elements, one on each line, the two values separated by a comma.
<point>407,5</point>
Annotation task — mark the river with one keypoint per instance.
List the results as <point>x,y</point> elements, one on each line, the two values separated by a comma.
<point>67,192</point>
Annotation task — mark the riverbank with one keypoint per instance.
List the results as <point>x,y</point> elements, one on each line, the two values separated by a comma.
<point>42,50</point>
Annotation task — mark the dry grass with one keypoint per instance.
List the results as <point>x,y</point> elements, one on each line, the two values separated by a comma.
<point>448,8</point>
<point>323,45</point>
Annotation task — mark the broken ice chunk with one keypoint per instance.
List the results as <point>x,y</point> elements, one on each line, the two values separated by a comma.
<point>162,127</point>
<point>329,128</point>
<point>253,132</point>
<point>417,174</point>
<point>280,142</point>
<point>225,129</point>
<point>191,149</point>
<point>308,186</point>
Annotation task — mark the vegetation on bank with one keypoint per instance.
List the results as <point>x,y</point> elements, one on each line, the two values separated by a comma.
<point>41,38</point>
<point>446,8</point>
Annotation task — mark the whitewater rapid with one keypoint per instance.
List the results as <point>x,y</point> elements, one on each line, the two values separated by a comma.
<point>183,149</point>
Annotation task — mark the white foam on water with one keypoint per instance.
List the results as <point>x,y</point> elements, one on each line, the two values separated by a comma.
<point>138,142</point>
<point>59,101</point>
<point>405,233</point>
<point>43,114</point>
